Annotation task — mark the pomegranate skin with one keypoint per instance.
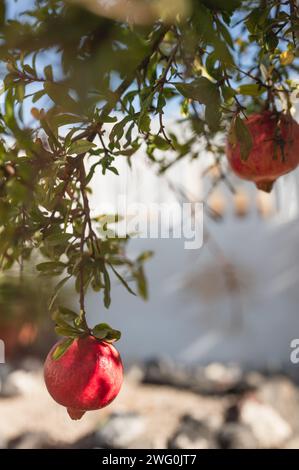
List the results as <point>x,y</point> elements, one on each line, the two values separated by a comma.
<point>275,149</point>
<point>88,376</point>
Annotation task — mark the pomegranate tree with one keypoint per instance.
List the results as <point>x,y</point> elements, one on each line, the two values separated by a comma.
<point>84,88</point>
<point>273,148</point>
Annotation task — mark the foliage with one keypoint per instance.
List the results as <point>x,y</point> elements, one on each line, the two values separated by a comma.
<point>95,85</point>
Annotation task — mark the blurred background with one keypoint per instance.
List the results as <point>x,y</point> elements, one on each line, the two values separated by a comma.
<point>207,357</point>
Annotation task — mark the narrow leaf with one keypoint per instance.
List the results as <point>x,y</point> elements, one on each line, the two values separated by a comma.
<point>122,280</point>
<point>80,146</point>
<point>62,348</point>
<point>240,134</point>
<point>107,288</point>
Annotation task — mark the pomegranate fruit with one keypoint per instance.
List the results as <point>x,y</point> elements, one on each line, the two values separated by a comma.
<point>274,151</point>
<point>88,376</point>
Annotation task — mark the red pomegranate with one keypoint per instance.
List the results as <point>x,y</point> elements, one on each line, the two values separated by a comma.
<point>88,376</point>
<point>274,152</point>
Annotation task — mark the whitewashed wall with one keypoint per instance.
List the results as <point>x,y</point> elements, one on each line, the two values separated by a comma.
<point>190,315</point>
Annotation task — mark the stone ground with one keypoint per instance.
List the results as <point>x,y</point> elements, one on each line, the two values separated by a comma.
<point>148,415</point>
<point>161,407</point>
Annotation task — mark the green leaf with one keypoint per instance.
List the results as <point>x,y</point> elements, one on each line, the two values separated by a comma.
<point>144,122</point>
<point>48,72</point>
<point>227,92</point>
<point>113,170</point>
<point>103,331</point>
<point>160,142</point>
<point>118,130</point>
<point>271,41</point>
<point>145,256</point>
<point>57,288</point>
<point>62,348</point>
<point>67,331</point>
<point>225,33</point>
<point>38,95</point>
<point>112,336</point>
<point>202,90</point>
<point>213,117</point>
<point>109,119</point>
<point>29,70</point>
<point>203,22</point>
<point>256,19</point>
<point>144,119</point>
<point>239,133</point>
<point>80,321</point>
<point>52,267</point>
<point>212,66</point>
<point>65,119</point>
<point>80,146</point>
<point>207,93</point>
<point>20,91</point>
<point>107,288</point>
<point>59,95</point>
<point>64,314</point>
<point>141,283</point>
<point>58,238</point>
<point>122,280</point>
<point>251,89</point>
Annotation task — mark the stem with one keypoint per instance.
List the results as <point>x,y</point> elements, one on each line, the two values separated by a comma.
<point>239,105</point>
<point>293,9</point>
<point>160,84</point>
<point>82,294</point>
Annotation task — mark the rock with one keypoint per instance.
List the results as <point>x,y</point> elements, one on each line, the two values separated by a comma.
<point>32,440</point>
<point>236,436</point>
<point>219,378</point>
<point>135,374</point>
<point>282,395</point>
<point>214,379</point>
<point>166,372</point>
<point>17,383</point>
<point>268,427</point>
<point>89,441</point>
<point>232,412</point>
<point>30,364</point>
<point>120,430</point>
<point>192,434</point>
<point>254,380</point>
<point>8,388</point>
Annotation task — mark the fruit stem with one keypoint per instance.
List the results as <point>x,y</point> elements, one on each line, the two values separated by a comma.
<point>75,414</point>
<point>265,186</point>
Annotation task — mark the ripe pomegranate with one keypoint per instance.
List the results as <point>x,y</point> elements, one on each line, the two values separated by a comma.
<point>274,152</point>
<point>88,376</point>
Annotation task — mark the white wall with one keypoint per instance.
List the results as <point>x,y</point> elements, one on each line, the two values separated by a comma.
<point>191,315</point>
